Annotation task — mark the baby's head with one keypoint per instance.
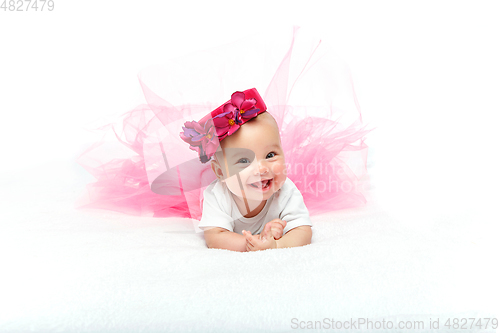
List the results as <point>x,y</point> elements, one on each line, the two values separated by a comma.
<point>251,161</point>
<point>243,141</point>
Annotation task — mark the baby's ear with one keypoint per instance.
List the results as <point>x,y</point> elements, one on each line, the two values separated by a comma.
<point>216,168</point>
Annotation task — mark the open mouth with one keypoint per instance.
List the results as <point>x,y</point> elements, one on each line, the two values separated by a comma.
<point>264,184</point>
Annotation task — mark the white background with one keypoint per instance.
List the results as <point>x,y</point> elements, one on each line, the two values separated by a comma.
<point>426,74</point>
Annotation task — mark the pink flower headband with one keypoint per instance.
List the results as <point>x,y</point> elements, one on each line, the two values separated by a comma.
<point>204,136</point>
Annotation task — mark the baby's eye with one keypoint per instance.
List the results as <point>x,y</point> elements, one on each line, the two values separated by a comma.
<point>271,155</point>
<point>243,160</point>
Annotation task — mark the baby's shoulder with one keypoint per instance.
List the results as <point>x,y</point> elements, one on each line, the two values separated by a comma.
<point>211,188</point>
<point>286,190</point>
<point>216,192</point>
<point>215,189</point>
<point>289,186</point>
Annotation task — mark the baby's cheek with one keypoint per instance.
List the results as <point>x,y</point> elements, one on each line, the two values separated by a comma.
<point>279,170</point>
<point>233,185</point>
<point>279,167</point>
<point>279,181</point>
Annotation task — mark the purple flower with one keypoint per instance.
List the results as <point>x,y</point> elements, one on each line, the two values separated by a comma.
<point>201,138</point>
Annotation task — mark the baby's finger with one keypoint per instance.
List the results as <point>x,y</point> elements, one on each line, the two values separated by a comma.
<point>277,233</point>
<point>267,228</point>
<point>277,227</point>
<point>250,241</point>
<point>280,222</point>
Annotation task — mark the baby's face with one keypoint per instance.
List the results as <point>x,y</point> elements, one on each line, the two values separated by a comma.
<point>255,156</point>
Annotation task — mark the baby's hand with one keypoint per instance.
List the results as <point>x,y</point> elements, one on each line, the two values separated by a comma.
<point>255,243</point>
<point>274,228</point>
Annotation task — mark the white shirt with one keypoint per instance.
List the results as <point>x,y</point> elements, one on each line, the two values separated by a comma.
<point>220,210</point>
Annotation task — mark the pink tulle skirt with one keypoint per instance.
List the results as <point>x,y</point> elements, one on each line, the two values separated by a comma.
<point>148,170</point>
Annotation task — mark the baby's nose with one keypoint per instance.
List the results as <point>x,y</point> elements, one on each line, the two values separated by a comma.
<point>262,168</point>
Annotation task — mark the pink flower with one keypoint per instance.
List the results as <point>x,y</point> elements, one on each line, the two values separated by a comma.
<point>235,113</point>
<point>225,124</point>
<point>242,108</point>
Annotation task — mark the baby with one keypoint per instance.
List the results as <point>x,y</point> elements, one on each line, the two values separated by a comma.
<point>252,205</point>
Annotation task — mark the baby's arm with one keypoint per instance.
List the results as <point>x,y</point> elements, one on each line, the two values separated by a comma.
<point>220,238</point>
<point>295,212</point>
<point>298,236</point>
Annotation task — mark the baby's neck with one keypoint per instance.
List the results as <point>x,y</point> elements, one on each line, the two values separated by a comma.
<point>255,207</point>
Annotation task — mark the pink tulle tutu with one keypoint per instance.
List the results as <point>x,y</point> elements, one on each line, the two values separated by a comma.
<point>149,171</point>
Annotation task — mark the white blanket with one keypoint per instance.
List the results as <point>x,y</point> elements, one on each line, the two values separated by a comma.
<point>66,270</point>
